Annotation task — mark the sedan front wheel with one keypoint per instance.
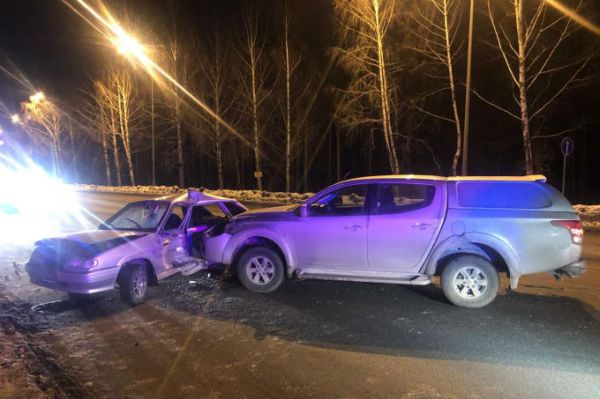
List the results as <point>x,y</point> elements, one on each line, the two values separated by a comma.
<point>133,284</point>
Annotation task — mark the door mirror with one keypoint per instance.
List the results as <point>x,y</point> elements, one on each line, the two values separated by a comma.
<point>301,211</point>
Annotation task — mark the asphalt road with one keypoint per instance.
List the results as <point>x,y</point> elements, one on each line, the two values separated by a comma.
<point>205,336</point>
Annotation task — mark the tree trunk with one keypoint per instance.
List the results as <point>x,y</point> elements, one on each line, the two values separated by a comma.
<point>523,88</point>
<point>218,149</point>
<point>153,149</point>
<point>124,123</point>
<point>383,93</point>
<point>457,153</point>
<point>288,111</point>
<point>255,122</point>
<point>106,161</point>
<point>180,152</point>
<point>115,146</point>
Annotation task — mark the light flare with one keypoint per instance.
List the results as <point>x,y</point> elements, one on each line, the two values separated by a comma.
<point>574,15</point>
<point>130,46</point>
<point>34,204</point>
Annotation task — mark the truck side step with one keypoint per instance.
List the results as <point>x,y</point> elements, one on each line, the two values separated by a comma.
<point>405,279</point>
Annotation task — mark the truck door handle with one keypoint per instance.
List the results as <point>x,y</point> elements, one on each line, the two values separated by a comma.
<point>421,226</point>
<point>354,227</point>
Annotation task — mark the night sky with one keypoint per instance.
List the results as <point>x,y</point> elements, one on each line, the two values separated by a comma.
<point>59,53</point>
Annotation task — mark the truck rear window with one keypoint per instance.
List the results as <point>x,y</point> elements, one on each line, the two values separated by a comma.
<point>501,194</point>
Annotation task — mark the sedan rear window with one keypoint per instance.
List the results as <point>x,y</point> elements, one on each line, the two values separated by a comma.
<point>507,195</point>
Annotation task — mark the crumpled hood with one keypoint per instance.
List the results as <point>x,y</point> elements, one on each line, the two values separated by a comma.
<point>273,213</point>
<point>97,236</point>
<point>89,243</point>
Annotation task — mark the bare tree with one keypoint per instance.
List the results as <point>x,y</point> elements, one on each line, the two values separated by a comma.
<point>118,115</point>
<point>367,100</point>
<point>43,122</point>
<point>123,88</point>
<point>438,26</point>
<point>213,62</point>
<point>253,78</point>
<point>529,41</point>
<point>290,63</point>
<point>175,66</point>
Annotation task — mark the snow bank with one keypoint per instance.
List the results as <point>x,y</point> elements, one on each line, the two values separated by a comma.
<point>589,214</point>
<point>266,197</point>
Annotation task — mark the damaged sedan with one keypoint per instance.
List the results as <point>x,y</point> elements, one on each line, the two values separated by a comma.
<point>143,243</point>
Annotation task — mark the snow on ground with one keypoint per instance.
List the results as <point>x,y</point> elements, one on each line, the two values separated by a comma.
<point>589,214</point>
<point>266,197</point>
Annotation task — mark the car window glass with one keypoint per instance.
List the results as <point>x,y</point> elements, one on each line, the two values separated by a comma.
<point>395,198</point>
<point>345,201</point>
<point>137,216</point>
<point>234,209</point>
<point>203,214</point>
<point>175,218</point>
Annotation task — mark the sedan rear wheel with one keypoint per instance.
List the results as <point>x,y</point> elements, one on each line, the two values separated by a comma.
<point>260,269</point>
<point>470,281</point>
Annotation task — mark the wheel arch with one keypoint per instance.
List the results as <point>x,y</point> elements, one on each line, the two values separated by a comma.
<point>483,245</point>
<point>258,241</point>
<point>254,237</point>
<point>152,277</point>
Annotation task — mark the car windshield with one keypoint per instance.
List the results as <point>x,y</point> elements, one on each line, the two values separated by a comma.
<point>138,216</point>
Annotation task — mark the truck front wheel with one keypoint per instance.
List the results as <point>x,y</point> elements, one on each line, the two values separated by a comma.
<point>260,270</point>
<point>470,281</point>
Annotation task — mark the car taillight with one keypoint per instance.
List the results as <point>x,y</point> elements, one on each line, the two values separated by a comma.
<point>574,227</point>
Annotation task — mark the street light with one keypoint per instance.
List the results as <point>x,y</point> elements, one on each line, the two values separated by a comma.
<point>37,98</point>
<point>128,45</point>
<point>16,119</point>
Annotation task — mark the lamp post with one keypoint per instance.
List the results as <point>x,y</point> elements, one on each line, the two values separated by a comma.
<point>16,119</point>
<point>465,149</point>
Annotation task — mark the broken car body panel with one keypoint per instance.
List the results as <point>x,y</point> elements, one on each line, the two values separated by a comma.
<point>167,234</point>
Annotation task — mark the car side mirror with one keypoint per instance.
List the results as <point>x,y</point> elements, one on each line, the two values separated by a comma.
<point>302,211</point>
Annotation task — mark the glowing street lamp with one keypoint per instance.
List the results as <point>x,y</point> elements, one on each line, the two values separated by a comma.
<point>128,45</point>
<point>37,98</point>
<point>16,119</point>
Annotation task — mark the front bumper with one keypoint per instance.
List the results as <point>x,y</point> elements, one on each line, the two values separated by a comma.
<point>78,283</point>
<point>575,269</point>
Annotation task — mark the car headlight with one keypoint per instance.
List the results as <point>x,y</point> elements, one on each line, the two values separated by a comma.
<point>81,265</point>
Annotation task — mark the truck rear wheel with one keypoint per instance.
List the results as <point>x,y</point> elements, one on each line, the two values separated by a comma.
<point>470,281</point>
<point>260,269</point>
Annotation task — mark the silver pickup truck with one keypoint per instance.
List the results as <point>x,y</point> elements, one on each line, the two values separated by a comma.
<point>405,229</point>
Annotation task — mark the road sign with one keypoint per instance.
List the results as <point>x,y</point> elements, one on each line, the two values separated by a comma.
<point>566,146</point>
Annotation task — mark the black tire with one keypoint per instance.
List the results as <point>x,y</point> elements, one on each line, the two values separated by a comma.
<point>260,269</point>
<point>470,281</point>
<point>133,284</point>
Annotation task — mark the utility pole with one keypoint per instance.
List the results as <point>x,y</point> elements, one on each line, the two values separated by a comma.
<point>465,149</point>
<point>153,136</point>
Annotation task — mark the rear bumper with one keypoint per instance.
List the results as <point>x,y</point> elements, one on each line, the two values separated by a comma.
<point>575,269</point>
<point>78,283</point>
